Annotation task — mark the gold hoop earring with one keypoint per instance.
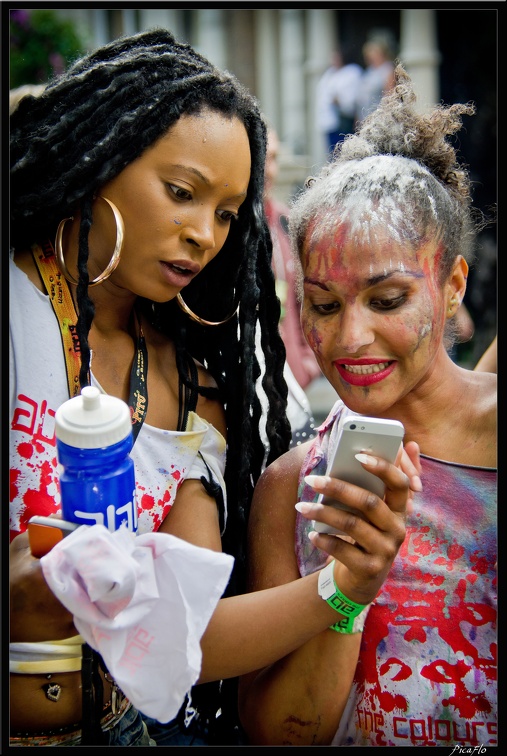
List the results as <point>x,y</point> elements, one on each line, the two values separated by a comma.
<point>186,309</point>
<point>118,247</point>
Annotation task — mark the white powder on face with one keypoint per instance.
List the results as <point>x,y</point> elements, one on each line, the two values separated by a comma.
<point>425,330</point>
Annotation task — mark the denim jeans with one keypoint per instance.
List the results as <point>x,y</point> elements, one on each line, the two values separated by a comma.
<point>130,731</point>
<point>171,734</point>
<point>175,734</point>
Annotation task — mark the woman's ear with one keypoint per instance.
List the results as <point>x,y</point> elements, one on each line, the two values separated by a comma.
<point>456,285</point>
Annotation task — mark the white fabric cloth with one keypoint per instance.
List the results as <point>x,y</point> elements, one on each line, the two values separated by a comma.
<point>143,602</point>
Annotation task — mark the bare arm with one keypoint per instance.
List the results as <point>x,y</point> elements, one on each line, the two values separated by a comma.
<point>252,630</point>
<point>488,361</point>
<point>293,701</point>
<point>36,615</point>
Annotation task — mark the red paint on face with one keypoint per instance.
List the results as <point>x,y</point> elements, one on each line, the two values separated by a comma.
<point>366,304</point>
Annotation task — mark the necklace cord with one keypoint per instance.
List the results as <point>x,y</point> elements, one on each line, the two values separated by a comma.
<point>63,306</point>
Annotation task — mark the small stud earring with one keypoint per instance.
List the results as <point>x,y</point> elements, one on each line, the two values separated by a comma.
<point>452,304</point>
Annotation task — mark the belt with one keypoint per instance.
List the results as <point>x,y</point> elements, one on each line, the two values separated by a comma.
<point>70,732</point>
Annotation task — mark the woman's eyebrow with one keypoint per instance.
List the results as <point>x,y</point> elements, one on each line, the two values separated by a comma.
<point>381,277</point>
<point>313,282</point>
<point>202,177</point>
<point>373,280</point>
<point>190,169</point>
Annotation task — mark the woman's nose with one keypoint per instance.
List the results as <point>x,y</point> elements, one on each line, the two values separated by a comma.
<point>199,231</point>
<point>355,329</point>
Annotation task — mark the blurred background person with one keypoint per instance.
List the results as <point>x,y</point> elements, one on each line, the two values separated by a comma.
<point>327,117</point>
<point>301,366</point>
<point>343,88</point>
<point>336,98</point>
<point>300,357</point>
<point>378,77</point>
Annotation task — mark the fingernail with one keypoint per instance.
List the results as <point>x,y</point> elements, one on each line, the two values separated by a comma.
<point>416,483</point>
<point>318,482</point>
<point>303,507</point>
<point>365,459</point>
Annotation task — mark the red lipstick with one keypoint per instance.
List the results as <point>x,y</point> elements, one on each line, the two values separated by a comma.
<point>364,372</point>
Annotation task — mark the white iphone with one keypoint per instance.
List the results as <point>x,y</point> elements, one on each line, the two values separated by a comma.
<point>357,433</point>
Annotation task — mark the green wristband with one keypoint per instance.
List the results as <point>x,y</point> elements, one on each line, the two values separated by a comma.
<point>355,614</point>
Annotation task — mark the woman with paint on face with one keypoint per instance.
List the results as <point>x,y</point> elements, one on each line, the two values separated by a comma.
<point>382,236</point>
<point>137,180</point>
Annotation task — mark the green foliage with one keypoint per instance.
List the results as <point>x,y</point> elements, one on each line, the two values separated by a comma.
<point>41,45</point>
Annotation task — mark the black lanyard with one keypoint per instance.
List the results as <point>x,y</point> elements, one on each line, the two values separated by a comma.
<point>138,391</point>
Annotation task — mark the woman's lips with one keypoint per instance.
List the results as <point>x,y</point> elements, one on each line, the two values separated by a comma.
<point>364,372</point>
<point>179,273</point>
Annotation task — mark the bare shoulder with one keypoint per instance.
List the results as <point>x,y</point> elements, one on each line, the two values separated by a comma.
<point>485,389</point>
<point>283,473</point>
<point>481,418</point>
<point>210,410</point>
<point>276,492</point>
<point>490,386</point>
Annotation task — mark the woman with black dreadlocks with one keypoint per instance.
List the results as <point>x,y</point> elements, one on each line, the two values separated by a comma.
<point>146,149</point>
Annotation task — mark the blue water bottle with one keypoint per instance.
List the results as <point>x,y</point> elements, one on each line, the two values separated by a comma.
<point>93,443</point>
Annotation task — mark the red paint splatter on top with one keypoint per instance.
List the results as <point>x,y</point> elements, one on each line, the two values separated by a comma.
<point>25,450</point>
<point>444,562</point>
<point>467,704</point>
<point>481,564</point>
<point>39,502</point>
<point>147,502</point>
<point>403,673</point>
<point>46,474</point>
<point>455,551</point>
<point>13,483</point>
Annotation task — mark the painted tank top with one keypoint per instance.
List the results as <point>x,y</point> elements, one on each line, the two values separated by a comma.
<point>427,671</point>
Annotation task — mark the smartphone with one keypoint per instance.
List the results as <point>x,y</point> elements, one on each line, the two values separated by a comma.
<point>46,532</point>
<point>358,433</point>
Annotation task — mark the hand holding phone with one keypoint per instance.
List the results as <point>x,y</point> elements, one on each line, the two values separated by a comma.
<point>358,433</point>
<point>46,532</point>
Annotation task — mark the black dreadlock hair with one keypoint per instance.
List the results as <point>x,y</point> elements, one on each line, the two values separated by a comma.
<point>82,131</point>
